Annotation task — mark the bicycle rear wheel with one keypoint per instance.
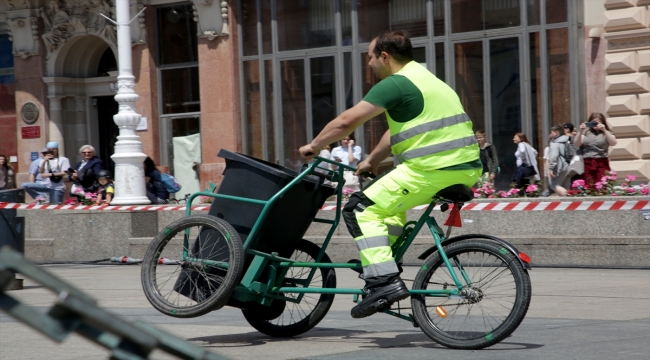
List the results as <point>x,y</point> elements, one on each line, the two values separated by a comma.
<point>297,318</point>
<point>493,307</point>
<point>175,277</point>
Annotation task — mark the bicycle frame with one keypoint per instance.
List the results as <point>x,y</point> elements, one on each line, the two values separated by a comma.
<point>252,289</point>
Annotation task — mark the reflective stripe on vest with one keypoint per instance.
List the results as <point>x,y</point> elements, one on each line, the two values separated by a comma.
<point>430,126</point>
<point>437,148</point>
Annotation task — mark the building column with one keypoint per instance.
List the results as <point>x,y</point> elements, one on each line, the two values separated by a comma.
<point>80,125</point>
<point>55,126</point>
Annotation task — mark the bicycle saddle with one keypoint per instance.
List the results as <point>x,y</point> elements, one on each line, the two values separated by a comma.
<point>456,193</point>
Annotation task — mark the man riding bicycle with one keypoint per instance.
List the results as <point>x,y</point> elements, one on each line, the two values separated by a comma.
<point>432,138</point>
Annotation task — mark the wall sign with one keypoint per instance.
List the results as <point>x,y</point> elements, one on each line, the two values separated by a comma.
<point>29,112</point>
<point>31,132</point>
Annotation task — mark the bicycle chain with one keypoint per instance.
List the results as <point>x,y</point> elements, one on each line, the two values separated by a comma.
<point>427,306</point>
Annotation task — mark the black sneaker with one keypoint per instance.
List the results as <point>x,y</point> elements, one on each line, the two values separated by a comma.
<point>380,298</point>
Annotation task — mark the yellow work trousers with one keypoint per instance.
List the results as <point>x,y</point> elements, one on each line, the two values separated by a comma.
<point>376,215</point>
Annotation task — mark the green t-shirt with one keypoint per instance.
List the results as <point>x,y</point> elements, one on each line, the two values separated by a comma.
<point>399,96</point>
<point>404,102</point>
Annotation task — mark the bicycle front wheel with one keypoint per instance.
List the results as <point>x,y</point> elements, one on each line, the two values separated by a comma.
<point>193,266</point>
<point>493,305</point>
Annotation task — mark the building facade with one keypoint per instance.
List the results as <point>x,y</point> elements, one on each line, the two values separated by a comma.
<point>264,76</point>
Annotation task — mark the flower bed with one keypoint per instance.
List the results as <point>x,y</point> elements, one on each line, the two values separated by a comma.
<point>607,186</point>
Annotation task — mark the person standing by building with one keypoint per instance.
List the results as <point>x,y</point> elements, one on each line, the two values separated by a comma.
<point>557,163</point>
<point>35,179</point>
<point>429,132</point>
<point>7,175</point>
<point>594,139</point>
<point>52,169</point>
<point>489,159</point>
<point>525,155</point>
<point>348,154</point>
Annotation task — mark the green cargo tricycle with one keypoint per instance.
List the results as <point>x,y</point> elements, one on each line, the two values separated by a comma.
<point>470,292</point>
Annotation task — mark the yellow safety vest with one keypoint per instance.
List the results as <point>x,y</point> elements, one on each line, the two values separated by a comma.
<point>441,136</point>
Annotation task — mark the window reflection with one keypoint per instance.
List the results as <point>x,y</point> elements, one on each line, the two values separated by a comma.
<point>305,24</point>
<point>270,126</point>
<point>180,90</point>
<point>323,96</point>
<point>249,26</point>
<point>469,80</point>
<point>380,15</point>
<point>559,87</point>
<point>253,104</point>
<point>556,11</point>
<point>475,15</point>
<point>177,34</point>
<point>293,111</point>
<point>440,61</point>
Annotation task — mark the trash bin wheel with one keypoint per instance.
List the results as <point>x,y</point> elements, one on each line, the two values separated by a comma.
<point>175,278</point>
<point>298,318</point>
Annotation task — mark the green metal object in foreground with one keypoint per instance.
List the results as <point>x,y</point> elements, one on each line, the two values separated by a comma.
<point>77,312</point>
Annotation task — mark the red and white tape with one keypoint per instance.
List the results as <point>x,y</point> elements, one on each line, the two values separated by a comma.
<point>491,206</point>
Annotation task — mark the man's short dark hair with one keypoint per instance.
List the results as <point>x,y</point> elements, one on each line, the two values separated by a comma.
<point>396,43</point>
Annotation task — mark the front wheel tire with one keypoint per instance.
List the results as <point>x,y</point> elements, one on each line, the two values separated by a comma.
<point>496,302</point>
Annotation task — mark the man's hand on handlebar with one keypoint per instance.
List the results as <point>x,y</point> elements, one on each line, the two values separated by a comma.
<point>365,167</point>
<point>308,152</point>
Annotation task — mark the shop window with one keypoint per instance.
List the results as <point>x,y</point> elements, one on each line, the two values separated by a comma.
<point>469,80</point>
<point>323,92</point>
<point>180,90</point>
<point>177,41</point>
<point>476,15</point>
<point>178,59</point>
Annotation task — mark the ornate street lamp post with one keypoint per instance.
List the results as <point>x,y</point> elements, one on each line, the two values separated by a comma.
<point>129,172</point>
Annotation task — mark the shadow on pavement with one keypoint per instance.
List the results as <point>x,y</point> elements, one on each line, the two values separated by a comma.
<point>415,339</point>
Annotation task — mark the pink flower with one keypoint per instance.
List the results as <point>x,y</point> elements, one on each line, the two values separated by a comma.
<point>604,179</point>
<point>71,201</point>
<point>513,191</point>
<point>613,194</point>
<point>578,183</point>
<point>630,178</point>
<point>78,190</point>
<point>488,191</point>
<point>503,194</point>
<point>599,185</point>
<point>613,173</point>
<point>531,188</point>
<point>487,184</point>
<point>624,185</point>
<point>645,191</point>
<point>40,198</point>
<point>490,197</point>
<point>477,195</point>
<point>631,190</point>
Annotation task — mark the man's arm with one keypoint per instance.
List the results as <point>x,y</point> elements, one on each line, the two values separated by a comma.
<point>342,126</point>
<point>381,152</point>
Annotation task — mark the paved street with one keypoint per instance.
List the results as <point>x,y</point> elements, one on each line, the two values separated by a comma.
<point>574,314</point>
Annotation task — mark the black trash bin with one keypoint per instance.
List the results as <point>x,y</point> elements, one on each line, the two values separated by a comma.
<point>290,217</point>
<point>286,223</point>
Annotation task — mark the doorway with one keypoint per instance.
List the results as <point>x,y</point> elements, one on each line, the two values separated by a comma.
<point>107,107</point>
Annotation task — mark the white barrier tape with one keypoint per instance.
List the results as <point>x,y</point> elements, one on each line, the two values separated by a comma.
<point>492,206</point>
